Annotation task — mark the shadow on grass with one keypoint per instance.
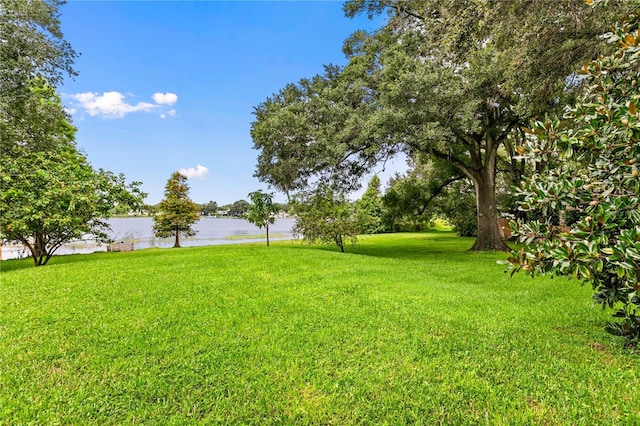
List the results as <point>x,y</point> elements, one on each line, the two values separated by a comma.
<point>27,262</point>
<point>407,246</point>
<point>16,264</point>
<point>414,246</point>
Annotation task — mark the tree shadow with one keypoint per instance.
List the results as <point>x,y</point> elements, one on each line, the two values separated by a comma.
<point>27,262</point>
<point>409,246</point>
<point>16,264</point>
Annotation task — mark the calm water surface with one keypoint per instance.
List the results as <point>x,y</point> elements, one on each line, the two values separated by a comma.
<point>139,230</point>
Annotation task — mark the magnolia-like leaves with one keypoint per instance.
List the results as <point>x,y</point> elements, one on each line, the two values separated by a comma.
<point>597,183</point>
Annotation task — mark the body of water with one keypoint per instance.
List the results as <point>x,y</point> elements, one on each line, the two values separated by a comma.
<point>139,231</point>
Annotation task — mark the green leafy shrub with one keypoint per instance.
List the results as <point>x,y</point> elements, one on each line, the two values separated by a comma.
<point>597,181</point>
<point>323,216</point>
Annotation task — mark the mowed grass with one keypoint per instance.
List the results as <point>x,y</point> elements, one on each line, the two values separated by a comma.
<point>404,328</point>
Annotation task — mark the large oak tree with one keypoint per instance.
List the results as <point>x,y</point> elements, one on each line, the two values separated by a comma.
<point>453,79</point>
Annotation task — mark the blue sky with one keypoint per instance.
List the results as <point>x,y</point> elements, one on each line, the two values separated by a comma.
<point>166,86</point>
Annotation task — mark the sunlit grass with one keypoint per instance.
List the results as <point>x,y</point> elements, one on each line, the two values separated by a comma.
<point>403,328</point>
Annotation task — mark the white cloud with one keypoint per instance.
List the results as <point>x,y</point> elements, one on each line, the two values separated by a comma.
<point>109,104</point>
<point>171,113</point>
<point>165,98</point>
<point>199,172</point>
<point>116,105</point>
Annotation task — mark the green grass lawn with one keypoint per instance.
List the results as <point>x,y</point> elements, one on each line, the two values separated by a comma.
<point>403,328</point>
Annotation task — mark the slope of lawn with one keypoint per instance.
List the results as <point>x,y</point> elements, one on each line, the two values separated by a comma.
<point>404,328</point>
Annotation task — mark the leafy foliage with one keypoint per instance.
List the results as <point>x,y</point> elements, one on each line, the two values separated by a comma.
<point>323,216</point>
<point>281,133</point>
<point>34,45</point>
<point>43,124</point>
<point>239,208</point>
<point>34,57</point>
<point>316,132</point>
<point>48,199</point>
<point>176,212</point>
<point>210,208</point>
<point>457,204</point>
<point>447,79</point>
<point>414,199</point>
<point>597,180</point>
<point>369,209</point>
<point>262,210</point>
<point>49,193</point>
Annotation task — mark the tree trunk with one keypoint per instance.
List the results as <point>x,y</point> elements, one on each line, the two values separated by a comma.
<point>488,229</point>
<point>481,169</point>
<point>176,244</point>
<point>267,228</point>
<point>38,249</point>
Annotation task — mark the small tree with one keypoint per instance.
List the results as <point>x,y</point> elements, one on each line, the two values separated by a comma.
<point>369,209</point>
<point>597,181</point>
<point>325,217</point>
<point>176,212</point>
<point>49,199</point>
<point>261,211</point>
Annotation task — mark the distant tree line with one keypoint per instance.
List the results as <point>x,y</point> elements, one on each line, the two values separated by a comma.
<point>237,209</point>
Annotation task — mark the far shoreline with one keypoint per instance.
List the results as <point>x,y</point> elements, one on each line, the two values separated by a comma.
<point>138,231</point>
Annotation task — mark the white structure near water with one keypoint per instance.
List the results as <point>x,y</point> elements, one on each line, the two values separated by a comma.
<point>136,233</point>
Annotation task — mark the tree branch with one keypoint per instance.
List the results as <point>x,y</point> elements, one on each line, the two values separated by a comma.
<point>506,131</point>
<point>406,11</point>
<point>454,161</point>
<point>438,191</point>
